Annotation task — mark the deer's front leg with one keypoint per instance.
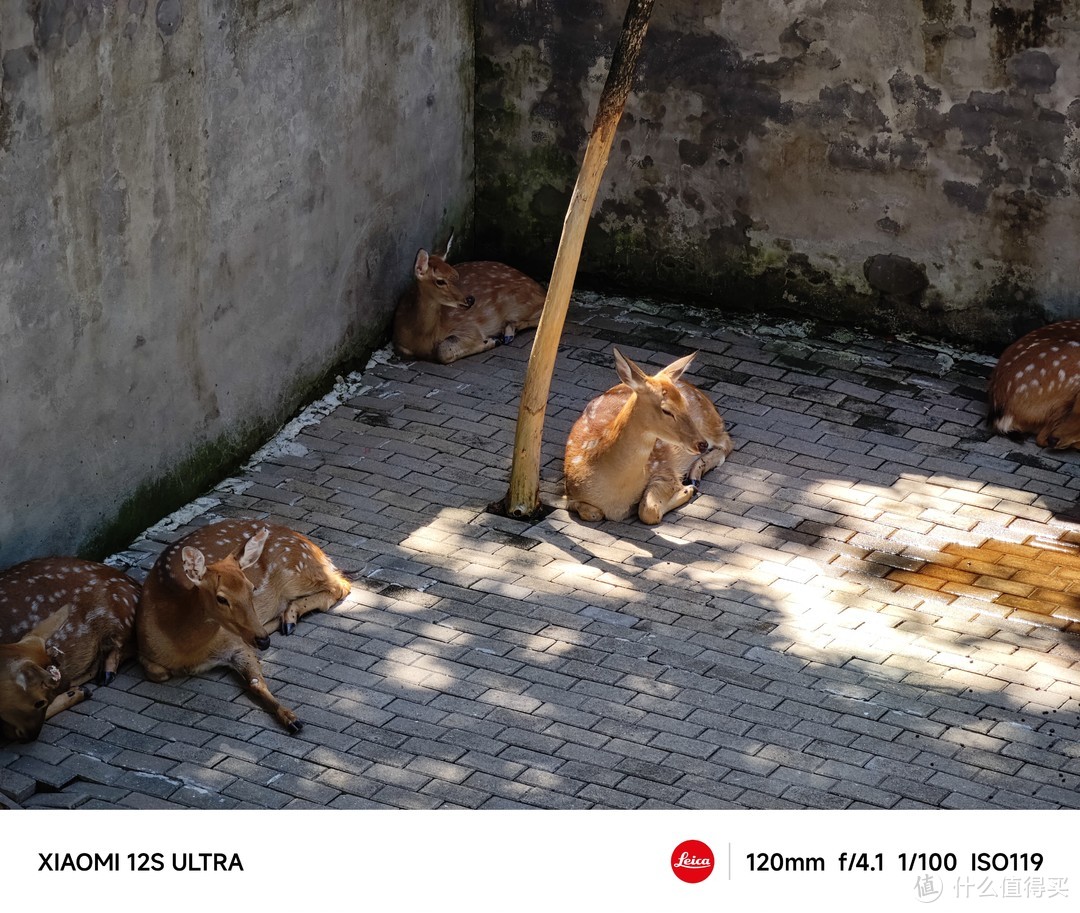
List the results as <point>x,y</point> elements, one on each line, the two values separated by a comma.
<point>661,496</point>
<point>248,667</point>
<point>454,347</point>
<point>66,700</point>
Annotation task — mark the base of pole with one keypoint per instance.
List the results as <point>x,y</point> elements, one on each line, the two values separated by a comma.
<point>525,516</point>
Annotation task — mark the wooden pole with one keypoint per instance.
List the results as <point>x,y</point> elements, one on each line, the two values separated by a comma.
<point>523,497</point>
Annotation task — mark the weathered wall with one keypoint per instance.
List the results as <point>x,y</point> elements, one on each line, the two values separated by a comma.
<point>206,207</point>
<point>911,164</point>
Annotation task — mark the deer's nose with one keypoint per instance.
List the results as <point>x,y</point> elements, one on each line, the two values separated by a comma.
<point>262,642</point>
<point>703,446</point>
<point>469,301</point>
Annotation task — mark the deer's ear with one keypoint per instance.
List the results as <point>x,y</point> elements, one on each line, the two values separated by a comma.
<point>194,564</point>
<point>629,373</point>
<point>254,548</point>
<point>675,369</point>
<point>421,265</point>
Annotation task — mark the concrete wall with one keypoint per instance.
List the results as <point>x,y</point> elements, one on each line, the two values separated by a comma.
<point>206,207</point>
<point>909,165</point>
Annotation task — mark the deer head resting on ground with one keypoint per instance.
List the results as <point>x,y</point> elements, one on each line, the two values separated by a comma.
<point>71,621</point>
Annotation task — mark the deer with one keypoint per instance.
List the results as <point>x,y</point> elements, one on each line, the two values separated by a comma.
<point>645,442</point>
<point>451,312</point>
<point>63,623</point>
<point>213,597</point>
<point>1035,387</point>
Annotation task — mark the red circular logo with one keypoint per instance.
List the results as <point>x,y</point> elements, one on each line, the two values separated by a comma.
<point>692,861</point>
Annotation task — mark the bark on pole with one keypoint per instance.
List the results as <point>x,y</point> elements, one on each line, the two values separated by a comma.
<point>523,498</point>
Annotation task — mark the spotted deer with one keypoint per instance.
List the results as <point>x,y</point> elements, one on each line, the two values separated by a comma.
<point>646,442</point>
<point>1035,386</point>
<point>213,597</point>
<point>63,623</point>
<point>454,311</point>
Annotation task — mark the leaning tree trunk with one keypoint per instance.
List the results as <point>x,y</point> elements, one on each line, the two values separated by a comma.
<point>523,498</point>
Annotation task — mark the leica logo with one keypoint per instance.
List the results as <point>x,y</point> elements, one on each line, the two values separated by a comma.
<point>692,861</point>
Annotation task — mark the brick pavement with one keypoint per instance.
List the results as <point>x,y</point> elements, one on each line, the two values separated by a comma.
<point>873,604</point>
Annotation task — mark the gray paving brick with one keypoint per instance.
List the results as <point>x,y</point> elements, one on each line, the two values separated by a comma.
<point>603,797</point>
<point>252,795</point>
<point>17,786</point>
<point>350,784</point>
<point>752,652</point>
<point>456,794</point>
<point>194,797</point>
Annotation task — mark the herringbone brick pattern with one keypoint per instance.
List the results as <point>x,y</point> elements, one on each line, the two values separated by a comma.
<point>872,604</point>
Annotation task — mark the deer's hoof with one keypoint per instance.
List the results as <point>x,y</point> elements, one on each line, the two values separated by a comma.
<point>294,727</point>
<point>287,627</point>
<point>108,677</point>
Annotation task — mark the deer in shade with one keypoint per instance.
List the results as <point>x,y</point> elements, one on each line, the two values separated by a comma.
<point>213,597</point>
<point>454,311</point>
<point>1035,386</point>
<point>63,622</point>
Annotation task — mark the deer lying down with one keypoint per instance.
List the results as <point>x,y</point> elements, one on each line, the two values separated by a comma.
<point>645,442</point>
<point>212,598</point>
<point>71,622</point>
<point>1035,386</point>
<point>452,312</point>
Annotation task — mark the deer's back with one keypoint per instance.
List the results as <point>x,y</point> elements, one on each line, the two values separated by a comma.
<point>1037,377</point>
<point>103,601</point>
<point>590,469</point>
<point>501,290</point>
<point>595,423</point>
<point>290,565</point>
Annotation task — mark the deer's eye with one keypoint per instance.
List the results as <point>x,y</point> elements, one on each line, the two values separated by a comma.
<point>222,601</point>
<point>39,704</point>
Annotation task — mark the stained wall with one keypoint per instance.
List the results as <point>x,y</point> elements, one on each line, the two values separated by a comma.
<point>910,165</point>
